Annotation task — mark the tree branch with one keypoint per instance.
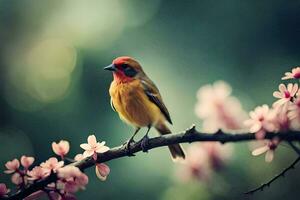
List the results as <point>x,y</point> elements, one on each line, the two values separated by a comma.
<point>188,136</point>
<point>281,174</point>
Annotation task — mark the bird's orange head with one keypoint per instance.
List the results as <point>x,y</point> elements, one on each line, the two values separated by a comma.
<point>125,69</point>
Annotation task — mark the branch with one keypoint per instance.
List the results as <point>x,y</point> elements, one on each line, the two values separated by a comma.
<point>281,174</point>
<point>188,136</point>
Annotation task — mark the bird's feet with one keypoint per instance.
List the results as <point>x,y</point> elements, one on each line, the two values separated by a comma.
<point>145,143</point>
<point>127,146</point>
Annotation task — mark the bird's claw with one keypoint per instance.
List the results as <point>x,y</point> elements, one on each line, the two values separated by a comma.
<point>127,145</point>
<point>145,143</point>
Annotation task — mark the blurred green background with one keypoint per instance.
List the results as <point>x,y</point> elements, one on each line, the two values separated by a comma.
<point>53,87</point>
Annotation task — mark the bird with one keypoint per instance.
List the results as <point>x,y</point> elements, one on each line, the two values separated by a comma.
<point>138,102</point>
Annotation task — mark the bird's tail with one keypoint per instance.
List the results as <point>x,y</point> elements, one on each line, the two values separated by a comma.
<point>176,150</point>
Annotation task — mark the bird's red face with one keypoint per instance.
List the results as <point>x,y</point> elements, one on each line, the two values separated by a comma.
<point>124,69</point>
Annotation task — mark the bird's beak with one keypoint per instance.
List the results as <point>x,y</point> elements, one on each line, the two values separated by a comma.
<point>110,67</point>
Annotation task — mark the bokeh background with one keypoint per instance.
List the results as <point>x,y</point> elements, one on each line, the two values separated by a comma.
<point>52,85</point>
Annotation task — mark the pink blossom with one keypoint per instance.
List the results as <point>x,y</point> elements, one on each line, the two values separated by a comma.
<point>294,113</point>
<point>285,94</point>
<point>79,157</point>
<point>281,120</point>
<point>27,161</point>
<point>61,148</point>
<point>12,166</point>
<point>93,147</point>
<point>3,190</point>
<point>218,109</point>
<point>16,178</point>
<point>218,154</point>
<point>295,74</point>
<point>71,179</point>
<point>268,148</point>
<point>196,164</point>
<point>202,159</point>
<point>68,172</point>
<point>37,173</point>
<point>52,164</point>
<point>102,171</point>
<point>261,120</point>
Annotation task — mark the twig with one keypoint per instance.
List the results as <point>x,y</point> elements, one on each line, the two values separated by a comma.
<point>188,136</point>
<point>296,149</point>
<point>281,174</point>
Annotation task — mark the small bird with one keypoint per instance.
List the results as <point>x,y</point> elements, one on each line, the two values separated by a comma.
<point>138,102</point>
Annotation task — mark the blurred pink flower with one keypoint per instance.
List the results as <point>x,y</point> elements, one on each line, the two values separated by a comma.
<point>294,113</point>
<point>16,178</point>
<point>281,120</point>
<point>202,159</point>
<point>12,166</point>
<point>196,165</point>
<point>261,120</point>
<point>71,179</point>
<point>285,94</point>
<point>79,157</point>
<point>268,148</point>
<point>27,161</point>
<point>93,147</point>
<point>68,172</point>
<point>102,171</point>
<point>218,109</point>
<point>61,148</point>
<point>3,190</point>
<point>52,164</point>
<point>37,173</point>
<point>295,74</point>
<point>218,154</point>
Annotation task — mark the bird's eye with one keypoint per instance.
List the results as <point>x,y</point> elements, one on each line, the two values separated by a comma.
<point>125,66</point>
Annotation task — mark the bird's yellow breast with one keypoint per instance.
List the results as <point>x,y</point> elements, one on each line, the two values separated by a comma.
<point>133,105</point>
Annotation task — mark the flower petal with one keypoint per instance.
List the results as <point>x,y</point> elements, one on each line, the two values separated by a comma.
<point>102,149</point>
<point>92,141</point>
<point>102,171</point>
<point>85,146</point>
<point>269,156</point>
<point>260,150</point>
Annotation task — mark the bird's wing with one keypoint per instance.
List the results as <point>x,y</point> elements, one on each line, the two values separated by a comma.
<point>112,105</point>
<point>154,96</point>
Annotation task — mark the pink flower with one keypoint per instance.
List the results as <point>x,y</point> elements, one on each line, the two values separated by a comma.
<point>281,119</point>
<point>79,157</point>
<point>202,159</point>
<point>218,109</point>
<point>285,94</point>
<point>12,166</point>
<point>93,147</point>
<point>68,172</point>
<point>102,171</point>
<point>196,164</point>
<point>260,121</point>
<point>218,154</point>
<point>71,179</point>
<point>294,113</point>
<point>16,179</point>
<point>37,173</point>
<point>3,190</point>
<point>268,148</point>
<point>295,74</point>
<point>52,164</point>
<point>61,148</point>
<point>27,161</point>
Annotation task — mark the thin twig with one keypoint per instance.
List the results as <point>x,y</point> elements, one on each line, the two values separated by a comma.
<point>281,174</point>
<point>188,136</point>
<point>296,149</point>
